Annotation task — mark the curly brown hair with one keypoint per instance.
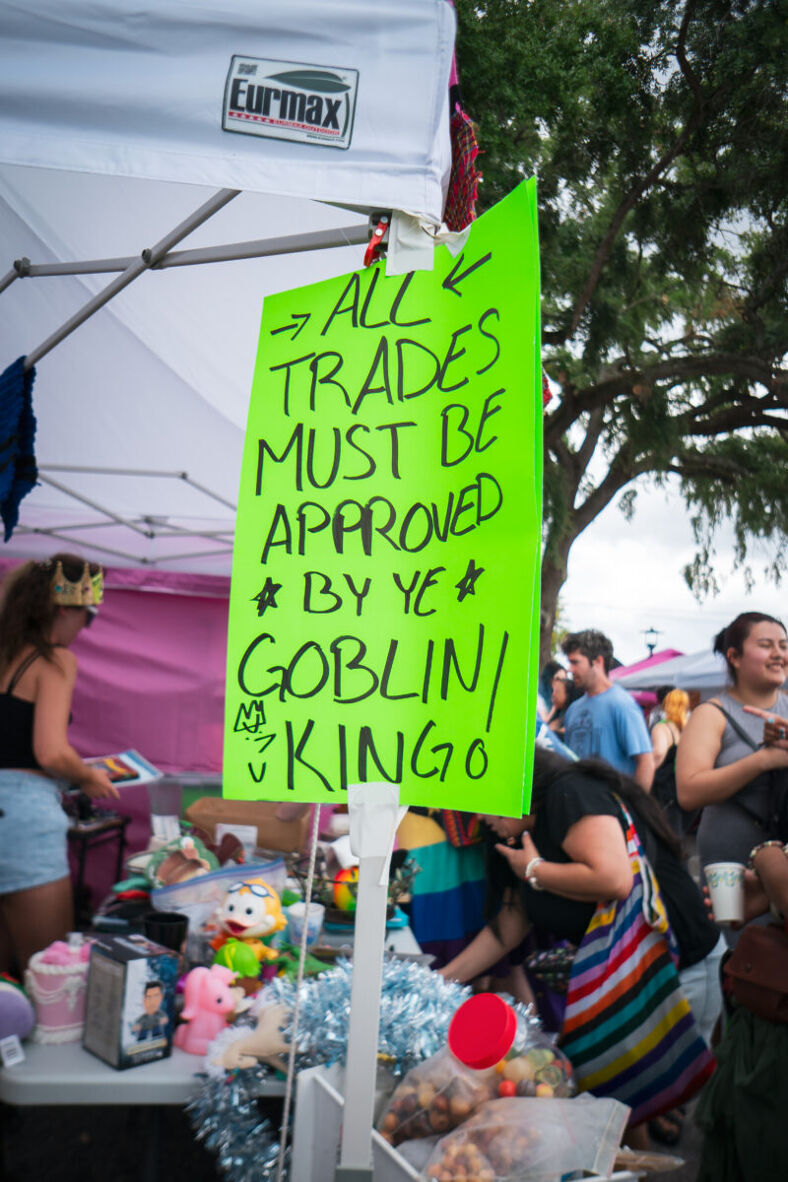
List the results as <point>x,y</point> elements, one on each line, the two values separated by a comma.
<point>27,610</point>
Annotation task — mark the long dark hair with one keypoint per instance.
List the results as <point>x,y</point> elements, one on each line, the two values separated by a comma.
<point>734,636</point>
<point>549,766</point>
<point>573,692</point>
<point>27,610</point>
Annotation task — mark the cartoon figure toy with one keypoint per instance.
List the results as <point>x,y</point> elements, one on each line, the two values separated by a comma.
<point>250,912</point>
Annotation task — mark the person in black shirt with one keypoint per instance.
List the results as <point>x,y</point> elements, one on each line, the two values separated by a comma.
<point>554,867</point>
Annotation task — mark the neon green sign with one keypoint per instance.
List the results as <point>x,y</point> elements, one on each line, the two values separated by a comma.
<point>384,604</point>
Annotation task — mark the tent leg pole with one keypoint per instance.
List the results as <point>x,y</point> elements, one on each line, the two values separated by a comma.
<point>355,1163</point>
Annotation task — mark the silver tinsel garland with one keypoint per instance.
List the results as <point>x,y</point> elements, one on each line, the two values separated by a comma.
<point>416,1006</point>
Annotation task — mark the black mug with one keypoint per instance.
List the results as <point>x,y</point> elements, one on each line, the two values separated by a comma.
<point>169,928</point>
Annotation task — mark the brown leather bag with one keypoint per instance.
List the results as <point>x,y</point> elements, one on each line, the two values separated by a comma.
<point>758,972</point>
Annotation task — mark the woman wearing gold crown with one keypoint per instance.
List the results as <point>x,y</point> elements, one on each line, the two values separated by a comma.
<point>44,607</point>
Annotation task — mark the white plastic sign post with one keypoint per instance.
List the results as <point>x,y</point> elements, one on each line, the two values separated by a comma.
<point>374,816</point>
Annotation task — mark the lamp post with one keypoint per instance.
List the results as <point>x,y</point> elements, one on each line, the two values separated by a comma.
<point>651,635</point>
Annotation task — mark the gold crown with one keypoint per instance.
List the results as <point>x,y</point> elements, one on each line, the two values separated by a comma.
<point>86,591</point>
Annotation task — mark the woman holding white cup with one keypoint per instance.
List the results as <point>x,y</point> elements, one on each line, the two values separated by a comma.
<point>722,764</point>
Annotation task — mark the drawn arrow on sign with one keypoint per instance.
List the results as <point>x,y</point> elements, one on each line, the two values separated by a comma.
<point>453,279</point>
<point>302,316</point>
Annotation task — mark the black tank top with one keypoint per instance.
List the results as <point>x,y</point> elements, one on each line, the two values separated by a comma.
<point>16,724</point>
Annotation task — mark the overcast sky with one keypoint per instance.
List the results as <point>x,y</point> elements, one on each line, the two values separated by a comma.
<point>626,577</point>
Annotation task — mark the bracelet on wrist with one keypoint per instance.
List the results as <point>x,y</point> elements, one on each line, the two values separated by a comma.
<point>764,845</point>
<point>530,873</point>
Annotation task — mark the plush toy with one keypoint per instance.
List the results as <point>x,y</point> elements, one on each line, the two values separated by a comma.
<point>17,1015</point>
<point>250,912</point>
<point>240,957</point>
<point>179,860</point>
<point>208,1000</point>
<point>264,1044</point>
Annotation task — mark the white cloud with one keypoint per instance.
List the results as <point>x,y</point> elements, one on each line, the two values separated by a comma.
<point>626,577</point>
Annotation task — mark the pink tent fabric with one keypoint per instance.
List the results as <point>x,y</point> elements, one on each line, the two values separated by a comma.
<point>645,698</point>
<point>152,668</point>
<point>664,654</point>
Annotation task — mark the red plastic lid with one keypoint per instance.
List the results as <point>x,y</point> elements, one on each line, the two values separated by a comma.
<point>482,1031</point>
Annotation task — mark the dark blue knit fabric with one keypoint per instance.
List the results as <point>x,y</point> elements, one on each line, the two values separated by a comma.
<point>18,472</point>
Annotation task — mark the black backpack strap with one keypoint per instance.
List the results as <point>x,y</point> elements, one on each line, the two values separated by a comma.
<point>22,669</point>
<point>740,731</point>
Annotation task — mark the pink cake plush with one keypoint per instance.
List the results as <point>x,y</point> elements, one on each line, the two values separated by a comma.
<point>55,980</point>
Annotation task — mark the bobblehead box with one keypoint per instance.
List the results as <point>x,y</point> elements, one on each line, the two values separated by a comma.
<point>130,1002</point>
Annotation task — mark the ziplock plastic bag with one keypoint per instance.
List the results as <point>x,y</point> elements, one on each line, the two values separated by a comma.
<point>199,897</point>
<point>531,1140</point>
<point>487,1032</point>
<point>434,1097</point>
<point>534,1066</point>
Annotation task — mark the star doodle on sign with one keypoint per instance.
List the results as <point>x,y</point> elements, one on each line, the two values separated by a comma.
<point>467,584</point>
<point>267,597</point>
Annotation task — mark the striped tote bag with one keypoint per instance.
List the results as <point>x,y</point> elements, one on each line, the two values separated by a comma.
<point>628,1029</point>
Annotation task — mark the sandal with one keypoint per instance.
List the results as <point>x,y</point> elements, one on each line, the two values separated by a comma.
<point>667,1128</point>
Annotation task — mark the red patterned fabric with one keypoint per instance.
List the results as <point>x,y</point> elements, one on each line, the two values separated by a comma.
<point>460,828</point>
<point>460,208</point>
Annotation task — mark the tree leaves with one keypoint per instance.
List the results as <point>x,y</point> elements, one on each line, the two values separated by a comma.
<point>658,135</point>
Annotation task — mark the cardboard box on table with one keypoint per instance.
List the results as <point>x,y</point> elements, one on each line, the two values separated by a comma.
<point>130,1003</point>
<point>272,834</point>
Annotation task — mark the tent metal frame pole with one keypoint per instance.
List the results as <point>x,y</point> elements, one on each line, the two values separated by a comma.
<point>258,248</point>
<point>185,557</point>
<point>147,259</point>
<point>8,278</point>
<point>134,558</point>
<point>184,476</point>
<point>158,531</point>
<point>53,533</point>
<point>145,533</point>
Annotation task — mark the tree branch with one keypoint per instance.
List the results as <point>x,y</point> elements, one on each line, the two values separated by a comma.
<point>672,369</point>
<point>588,446</point>
<point>622,470</point>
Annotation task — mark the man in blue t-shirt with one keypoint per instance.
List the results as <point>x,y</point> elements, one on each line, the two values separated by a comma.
<point>606,722</point>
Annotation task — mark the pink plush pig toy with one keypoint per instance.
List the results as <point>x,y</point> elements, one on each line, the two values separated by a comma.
<point>208,999</point>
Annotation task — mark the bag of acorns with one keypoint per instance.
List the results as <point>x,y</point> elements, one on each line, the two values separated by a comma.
<point>521,1140</point>
<point>435,1097</point>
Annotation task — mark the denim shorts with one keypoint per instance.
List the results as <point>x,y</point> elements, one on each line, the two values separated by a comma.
<point>33,825</point>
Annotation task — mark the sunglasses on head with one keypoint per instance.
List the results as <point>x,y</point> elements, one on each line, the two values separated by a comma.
<point>255,888</point>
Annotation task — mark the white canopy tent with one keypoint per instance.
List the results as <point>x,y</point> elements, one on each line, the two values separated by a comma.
<point>122,133</point>
<point>705,671</point>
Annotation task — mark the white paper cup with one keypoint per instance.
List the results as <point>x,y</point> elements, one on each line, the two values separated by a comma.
<point>296,918</point>
<point>726,890</point>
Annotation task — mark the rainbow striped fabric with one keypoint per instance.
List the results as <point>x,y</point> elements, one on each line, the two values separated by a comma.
<point>628,1029</point>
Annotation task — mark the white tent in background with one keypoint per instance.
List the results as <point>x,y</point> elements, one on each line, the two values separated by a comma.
<point>291,127</point>
<point>705,671</point>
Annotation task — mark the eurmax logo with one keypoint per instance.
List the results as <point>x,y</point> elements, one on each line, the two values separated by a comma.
<point>290,101</point>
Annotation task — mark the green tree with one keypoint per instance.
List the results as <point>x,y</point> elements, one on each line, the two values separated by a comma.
<point>657,132</point>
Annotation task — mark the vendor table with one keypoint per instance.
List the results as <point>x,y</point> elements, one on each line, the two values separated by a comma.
<point>64,1073</point>
<point>67,1074</point>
